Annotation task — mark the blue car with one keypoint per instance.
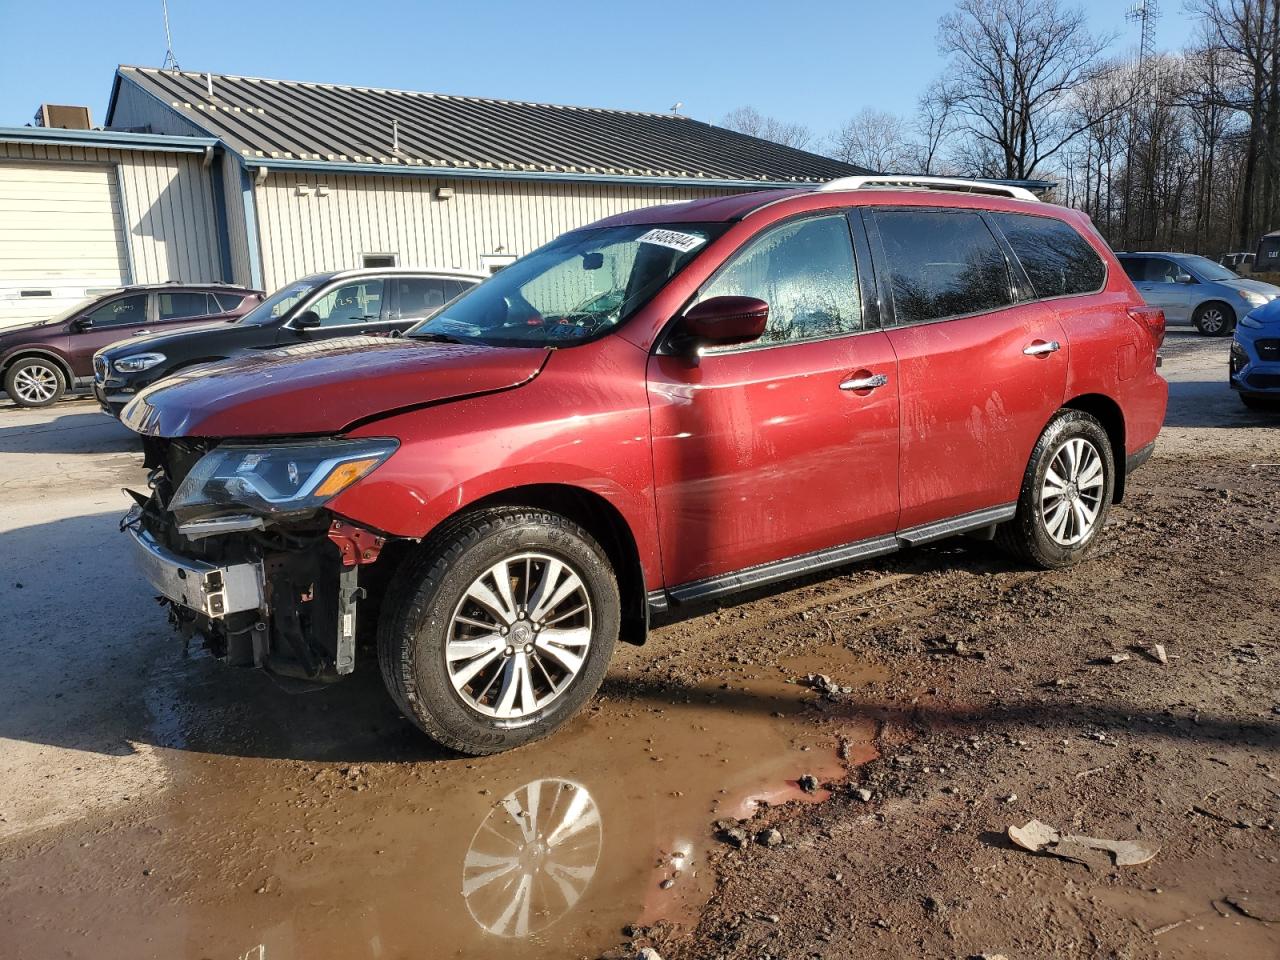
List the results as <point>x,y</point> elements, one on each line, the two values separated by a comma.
<point>1255,357</point>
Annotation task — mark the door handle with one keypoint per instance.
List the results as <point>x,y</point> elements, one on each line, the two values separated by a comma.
<point>1040,348</point>
<point>865,383</point>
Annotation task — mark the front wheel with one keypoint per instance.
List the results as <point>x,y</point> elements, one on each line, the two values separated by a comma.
<point>35,382</point>
<point>1214,319</point>
<point>500,629</point>
<point>1066,493</point>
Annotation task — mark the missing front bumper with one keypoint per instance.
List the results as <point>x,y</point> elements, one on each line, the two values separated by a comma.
<point>210,590</point>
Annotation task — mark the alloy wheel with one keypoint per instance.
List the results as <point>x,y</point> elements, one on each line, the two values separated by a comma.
<point>35,383</point>
<point>519,636</point>
<point>1212,320</point>
<point>1071,495</point>
<point>532,858</point>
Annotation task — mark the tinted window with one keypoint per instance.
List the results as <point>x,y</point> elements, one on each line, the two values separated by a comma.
<point>1058,261</point>
<point>351,303</point>
<point>942,264</point>
<point>229,302</point>
<point>1160,270</point>
<point>175,306</point>
<point>1135,267</point>
<point>422,296</point>
<point>804,270</point>
<point>125,312</point>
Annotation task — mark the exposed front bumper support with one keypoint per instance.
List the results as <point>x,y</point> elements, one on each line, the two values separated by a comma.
<point>213,591</point>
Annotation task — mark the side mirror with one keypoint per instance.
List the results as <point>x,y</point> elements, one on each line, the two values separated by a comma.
<point>1184,277</point>
<point>81,324</point>
<point>724,321</point>
<point>307,320</point>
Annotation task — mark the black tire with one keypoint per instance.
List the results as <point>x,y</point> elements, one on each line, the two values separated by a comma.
<point>1255,402</point>
<point>1027,535</point>
<point>1214,319</point>
<point>35,382</point>
<point>418,611</point>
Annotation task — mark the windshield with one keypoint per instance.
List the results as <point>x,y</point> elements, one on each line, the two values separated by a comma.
<point>1210,270</point>
<point>280,302</point>
<point>578,287</point>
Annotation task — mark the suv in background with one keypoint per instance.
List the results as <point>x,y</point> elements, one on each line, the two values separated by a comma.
<point>1195,290</point>
<point>658,409</point>
<point>380,302</point>
<point>39,362</point>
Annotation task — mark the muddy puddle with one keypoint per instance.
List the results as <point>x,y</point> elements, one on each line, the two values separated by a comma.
<point>548,851</point>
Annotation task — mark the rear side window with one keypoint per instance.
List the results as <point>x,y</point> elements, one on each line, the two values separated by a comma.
<point>420,297</point>
<point>942,264</point>
<point>175,306</point>
<point>229,302</point>
<point>1058,261</point>
<point>804,270</point>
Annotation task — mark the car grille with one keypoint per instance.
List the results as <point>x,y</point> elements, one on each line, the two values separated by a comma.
<point>99,369</point>
<point>1264,381</point>
<point>1268,349</point>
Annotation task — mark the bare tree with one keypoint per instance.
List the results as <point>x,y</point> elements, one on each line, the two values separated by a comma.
<point>934,124</point>
<point>877,140</point>
<point>1014,64</point>
<point>749,120</point>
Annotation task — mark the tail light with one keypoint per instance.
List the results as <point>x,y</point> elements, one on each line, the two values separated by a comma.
<point>1150,319</point>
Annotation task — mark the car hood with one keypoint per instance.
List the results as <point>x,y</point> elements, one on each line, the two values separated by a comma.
<point>324,387</point>
<point>154,342</point>
<point>42,329</point>
<point>1254,286</point>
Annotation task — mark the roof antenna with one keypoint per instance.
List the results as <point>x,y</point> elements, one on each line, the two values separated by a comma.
<point>675,107</point>
<point>170,58</point>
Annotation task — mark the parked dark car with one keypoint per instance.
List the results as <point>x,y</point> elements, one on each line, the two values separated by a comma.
<point>374,302</point>
<point>40,362</point>
<point>662,407</point>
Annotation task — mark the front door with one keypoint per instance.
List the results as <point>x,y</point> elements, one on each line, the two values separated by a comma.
<point>767,451</point>
<point>979,375</point>
<point>117,319</point>
<point>1159,287</point>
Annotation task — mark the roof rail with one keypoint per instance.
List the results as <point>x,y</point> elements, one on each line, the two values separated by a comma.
<point>931,183</point>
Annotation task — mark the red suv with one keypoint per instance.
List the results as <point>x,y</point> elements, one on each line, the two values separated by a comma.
<point>663,407</point>
<point>39,362</point>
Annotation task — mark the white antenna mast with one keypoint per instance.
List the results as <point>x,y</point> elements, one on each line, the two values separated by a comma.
<point>170,58</point>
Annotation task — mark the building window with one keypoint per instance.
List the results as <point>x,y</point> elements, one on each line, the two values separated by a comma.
<point>494,262</point>
<point>376,260</point>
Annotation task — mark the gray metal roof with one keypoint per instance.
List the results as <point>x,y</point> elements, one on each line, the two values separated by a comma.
<point>321,124</point>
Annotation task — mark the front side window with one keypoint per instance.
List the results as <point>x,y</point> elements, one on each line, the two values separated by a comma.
<point>123,312</point>
<point>350,303</point>
<point>580,286</point>
<point>176,306</point>
<point>805,271</point>
<point>942,264</point>
<point>1160,270</point>
<point>420,297</point>
<point>1058,261</point>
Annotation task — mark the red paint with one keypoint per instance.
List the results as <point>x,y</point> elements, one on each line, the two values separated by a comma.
<point>736,459</point>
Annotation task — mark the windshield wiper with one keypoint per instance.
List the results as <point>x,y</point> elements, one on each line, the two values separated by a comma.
<point>436,337</point>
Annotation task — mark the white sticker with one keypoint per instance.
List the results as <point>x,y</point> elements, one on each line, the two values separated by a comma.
<point>684,242</point>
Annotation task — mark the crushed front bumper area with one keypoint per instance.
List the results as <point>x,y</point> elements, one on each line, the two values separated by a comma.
<point>283,601</point>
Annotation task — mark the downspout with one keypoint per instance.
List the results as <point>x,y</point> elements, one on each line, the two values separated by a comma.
<point>253,237</point>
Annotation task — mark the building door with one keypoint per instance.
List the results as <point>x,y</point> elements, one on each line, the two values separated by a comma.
<point>61,237</point>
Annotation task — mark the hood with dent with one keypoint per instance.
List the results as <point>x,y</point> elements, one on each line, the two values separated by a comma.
<point>322,388</point>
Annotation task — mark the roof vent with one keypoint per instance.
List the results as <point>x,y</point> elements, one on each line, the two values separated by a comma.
<point>955,184</point>
<point>63,117</point>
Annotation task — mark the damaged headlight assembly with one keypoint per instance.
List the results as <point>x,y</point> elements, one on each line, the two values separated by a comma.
<point>271,481</point>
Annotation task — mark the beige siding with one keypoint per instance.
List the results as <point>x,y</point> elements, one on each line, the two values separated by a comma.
<point>313,222</point>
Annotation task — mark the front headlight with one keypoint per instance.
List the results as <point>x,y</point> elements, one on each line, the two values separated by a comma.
<point>1255,298</point>
<point>138,362</point>
<point>275,480</point>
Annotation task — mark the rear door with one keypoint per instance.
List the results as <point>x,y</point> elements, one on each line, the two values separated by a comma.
<point>980,369</point>
<point>1159,286</point>
<point>764,451</point>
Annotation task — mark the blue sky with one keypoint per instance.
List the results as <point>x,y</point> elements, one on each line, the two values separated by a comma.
<point>816,62</point>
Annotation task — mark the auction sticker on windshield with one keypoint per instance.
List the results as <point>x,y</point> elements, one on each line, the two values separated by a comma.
<point>684,242</point>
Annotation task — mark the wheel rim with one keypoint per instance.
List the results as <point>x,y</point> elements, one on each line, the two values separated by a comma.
<point>519,636</point>
<point>1212,320</point>
<point>36,383</point>
<point>1071,496</point>
<point>532,858</point>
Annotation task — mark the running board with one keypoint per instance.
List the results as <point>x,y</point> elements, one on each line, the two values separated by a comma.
<point>818,560</point>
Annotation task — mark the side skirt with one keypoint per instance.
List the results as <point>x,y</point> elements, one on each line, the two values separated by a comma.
<point>792,567</point>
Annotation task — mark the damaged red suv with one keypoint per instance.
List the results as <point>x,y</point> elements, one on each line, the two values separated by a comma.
<point>663,407</point>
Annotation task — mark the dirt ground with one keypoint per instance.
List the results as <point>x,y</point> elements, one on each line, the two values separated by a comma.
<point>156,806</point>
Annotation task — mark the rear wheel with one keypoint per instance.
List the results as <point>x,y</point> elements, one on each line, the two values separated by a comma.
<point>1214,319</point>
<point>35,382</point>
<point>1066,493</point>
<point>500,629</point>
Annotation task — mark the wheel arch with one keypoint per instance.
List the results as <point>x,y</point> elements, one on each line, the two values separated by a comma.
<point>602,520</point>
<point>1108,413</point>
<point>27,353</point>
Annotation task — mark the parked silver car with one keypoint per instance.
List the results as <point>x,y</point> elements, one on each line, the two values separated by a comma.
<point>1196,290</point>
